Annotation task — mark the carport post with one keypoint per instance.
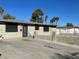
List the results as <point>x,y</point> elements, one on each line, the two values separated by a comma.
<point>53,35</point>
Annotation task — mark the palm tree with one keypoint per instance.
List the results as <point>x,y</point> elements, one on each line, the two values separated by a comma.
<point>37,15</point>
<point>8,17</point>
<point>46,19</point>
<point>54,20</point>
<point>1,10</point>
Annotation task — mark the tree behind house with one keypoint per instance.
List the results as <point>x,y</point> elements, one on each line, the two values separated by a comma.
<point>46,19</point>
<point>54,20</point>
<point>8,17</point>
<point>37,16</point>
<point>69,24</point>
<point>1,10</point>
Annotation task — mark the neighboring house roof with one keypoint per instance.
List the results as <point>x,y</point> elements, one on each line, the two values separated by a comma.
<point>25,23</point>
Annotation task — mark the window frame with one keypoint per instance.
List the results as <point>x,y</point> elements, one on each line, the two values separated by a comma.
<point>11,27</point>
<point>46,28</point>
<point>36,27</point>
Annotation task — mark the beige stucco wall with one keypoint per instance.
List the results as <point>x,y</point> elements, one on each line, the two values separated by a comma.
<point>2,29</point>
<point>31,30</point>
<point>41,31</point>
<point>8,35</point>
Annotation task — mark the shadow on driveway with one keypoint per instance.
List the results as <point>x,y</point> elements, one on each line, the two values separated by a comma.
<point>68,56</point>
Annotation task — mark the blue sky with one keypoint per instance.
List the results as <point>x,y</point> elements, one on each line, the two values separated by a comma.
<point>67,10</point>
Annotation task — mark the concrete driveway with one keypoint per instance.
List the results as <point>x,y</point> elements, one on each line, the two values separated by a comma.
<point>36,49</point>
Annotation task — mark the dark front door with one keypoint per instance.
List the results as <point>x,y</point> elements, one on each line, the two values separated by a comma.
<point>25,31</point>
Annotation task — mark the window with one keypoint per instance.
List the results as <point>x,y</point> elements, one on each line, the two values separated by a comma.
<point>36,27</point>
<point>11,27</point>
<point>46,29</point>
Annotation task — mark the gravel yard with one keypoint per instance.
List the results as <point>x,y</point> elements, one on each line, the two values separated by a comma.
<point>36,49</point>
<point>69,38</point>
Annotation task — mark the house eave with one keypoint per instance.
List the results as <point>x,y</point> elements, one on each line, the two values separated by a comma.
<point>25,23</point>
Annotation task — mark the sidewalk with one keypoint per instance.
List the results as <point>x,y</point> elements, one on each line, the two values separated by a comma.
<point>60,43</point>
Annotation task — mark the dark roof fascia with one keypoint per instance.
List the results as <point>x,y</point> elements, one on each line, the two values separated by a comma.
<point>26,23</point>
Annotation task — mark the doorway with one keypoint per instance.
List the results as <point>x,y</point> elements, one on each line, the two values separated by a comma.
<point>25,31</point>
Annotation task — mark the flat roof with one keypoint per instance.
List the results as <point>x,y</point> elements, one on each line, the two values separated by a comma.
<point>25,23</point>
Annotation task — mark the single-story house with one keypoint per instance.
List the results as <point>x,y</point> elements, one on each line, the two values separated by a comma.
<point>19,29</point>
